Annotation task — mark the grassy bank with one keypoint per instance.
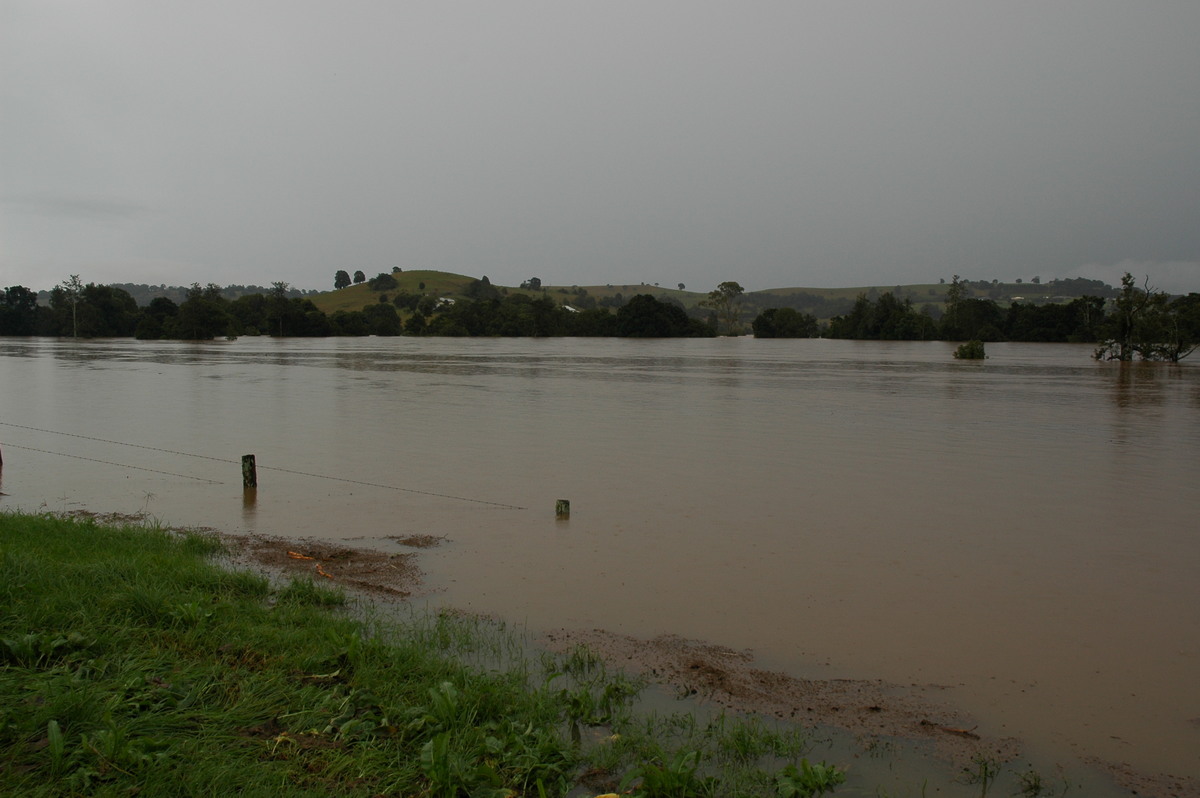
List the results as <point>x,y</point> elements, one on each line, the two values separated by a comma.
<point>132,663</point>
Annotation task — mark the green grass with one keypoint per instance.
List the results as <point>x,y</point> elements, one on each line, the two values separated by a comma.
<point>132,663</point>
<point>357,297</point>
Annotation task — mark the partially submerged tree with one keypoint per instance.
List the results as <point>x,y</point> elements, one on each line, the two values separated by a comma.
<point>1174,330</point>
<point>277,304</point>
<point>956,294</point>
<point>18,311</point>
<point>785,323</point>
<point>726,302</point>
<point>72,290</point>
<point>203,315</point>
<point>1146,324</point>
<point>971,350</point>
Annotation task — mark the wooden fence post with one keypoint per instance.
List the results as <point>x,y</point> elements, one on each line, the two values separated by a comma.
<point>249,472</point>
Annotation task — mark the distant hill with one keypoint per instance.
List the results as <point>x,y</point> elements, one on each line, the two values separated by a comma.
<point>419,282</point>
<point>824,303</point>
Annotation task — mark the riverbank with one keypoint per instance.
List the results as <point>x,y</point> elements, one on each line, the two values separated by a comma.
<point>688,668</point>
<point>869,711</point>
<point>133,662</point>
<point>307,579</point>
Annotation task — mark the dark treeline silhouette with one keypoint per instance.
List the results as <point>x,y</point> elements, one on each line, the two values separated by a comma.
<point>144,294</point>
<point>1138,323</point>
<point>887,318</point>
<point>95,311</point>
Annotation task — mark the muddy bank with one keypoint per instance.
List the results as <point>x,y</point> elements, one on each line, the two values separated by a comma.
<point>376,573</point>
<point>697,670</point>
<point>702,671</point>
<point>379,574</point>
<point>865,708</point>
<point>727,678</point>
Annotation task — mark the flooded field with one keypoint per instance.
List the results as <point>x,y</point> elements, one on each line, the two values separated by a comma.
<point>1020,531</point>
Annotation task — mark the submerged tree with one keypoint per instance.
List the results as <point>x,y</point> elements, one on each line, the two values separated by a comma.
<point>72,290</point>
<point>726,302</point>
<point>1173,330</point>
<point>646,317</point>
<point>1146,324</point>
<point>18,311</point>
<point>277,304</point>
<point>785,323</point>
<point>971,350</point>
<point>203,315</point>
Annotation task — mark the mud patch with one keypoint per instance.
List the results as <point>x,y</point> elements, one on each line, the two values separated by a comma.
<point>378,573</point>
<point>866,708</point>
<point>1153,785</point>
<point>418,541</point>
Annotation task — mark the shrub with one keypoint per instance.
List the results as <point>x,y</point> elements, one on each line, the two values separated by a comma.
<point>971,350</point>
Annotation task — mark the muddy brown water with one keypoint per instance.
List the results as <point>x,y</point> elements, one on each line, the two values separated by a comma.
<point>1023,531</point>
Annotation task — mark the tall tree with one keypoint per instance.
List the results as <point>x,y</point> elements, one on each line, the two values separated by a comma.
<point>359,277</point>
<point>341,279</point>
<point>277,305</point>
<point>956,294</point>
<point>1146,324</point>
<point>107,311</point>
<point>156,318</point>
<point>203,315</point>
<point>1126,325</point>
<point>784,323</point>
<point>1171,330</point>
<point>18,311</point>
<point>72,290</point>
<point>643,316</point>
<point>726,302</point>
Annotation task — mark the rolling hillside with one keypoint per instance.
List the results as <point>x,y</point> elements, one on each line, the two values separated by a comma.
<point>823,303</point>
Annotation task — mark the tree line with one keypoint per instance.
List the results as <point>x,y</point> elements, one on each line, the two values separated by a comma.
<point>100,311</point>
<point>1138,323</point>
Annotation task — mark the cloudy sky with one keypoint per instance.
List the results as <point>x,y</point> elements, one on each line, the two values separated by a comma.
<point>772,143</point>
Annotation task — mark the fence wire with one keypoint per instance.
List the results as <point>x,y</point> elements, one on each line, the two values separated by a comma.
<point>233,462</point>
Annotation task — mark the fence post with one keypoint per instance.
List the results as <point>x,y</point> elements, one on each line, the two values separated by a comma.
<point>249,472</point>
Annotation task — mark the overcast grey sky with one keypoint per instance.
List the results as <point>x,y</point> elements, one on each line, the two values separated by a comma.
<point>776,144</point>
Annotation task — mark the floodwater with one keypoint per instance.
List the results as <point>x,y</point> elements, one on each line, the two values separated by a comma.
<point>1023,530</point>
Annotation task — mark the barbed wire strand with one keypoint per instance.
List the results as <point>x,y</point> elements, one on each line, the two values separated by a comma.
<point>233,462</point>
<point>109,462</point>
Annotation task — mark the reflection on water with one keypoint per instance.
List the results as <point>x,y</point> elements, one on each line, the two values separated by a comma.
<point>1019,529</point>
<point>249,507</point>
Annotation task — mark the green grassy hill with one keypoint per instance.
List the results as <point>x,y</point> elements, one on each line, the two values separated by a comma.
<point>821,302</point>
<point>418,282</point>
